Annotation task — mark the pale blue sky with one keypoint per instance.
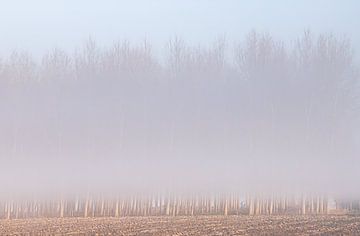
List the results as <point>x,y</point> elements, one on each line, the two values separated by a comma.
<point>38,25</point>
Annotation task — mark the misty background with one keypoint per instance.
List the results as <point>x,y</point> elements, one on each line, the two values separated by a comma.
<point>179,96</point>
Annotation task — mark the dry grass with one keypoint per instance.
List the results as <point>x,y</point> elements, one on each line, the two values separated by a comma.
<point>201,225</point>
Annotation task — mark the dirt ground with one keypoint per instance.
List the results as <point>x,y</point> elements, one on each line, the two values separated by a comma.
<point>200,225</point>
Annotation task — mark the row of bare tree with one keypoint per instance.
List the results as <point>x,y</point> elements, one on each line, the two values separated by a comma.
<point>269,113</point>
<point>325,56</point>
<point>159,205</point>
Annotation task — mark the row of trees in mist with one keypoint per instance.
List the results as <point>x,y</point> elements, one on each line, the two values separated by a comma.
<point>159,205</point>
<point>258,54</point>
<point>264,105</point>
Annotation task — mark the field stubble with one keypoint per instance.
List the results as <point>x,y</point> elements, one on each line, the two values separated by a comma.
<point>197,225</point>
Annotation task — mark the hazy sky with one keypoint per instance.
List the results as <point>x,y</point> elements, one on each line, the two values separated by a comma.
<point>39,25</point>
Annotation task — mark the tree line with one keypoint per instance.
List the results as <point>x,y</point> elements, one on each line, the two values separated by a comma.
<point>262,105</point>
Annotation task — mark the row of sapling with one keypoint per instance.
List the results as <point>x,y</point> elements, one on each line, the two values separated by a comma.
<point>165,205</point>
<point>315,73</point>
<point>261,92</point>
<point>257,55</point>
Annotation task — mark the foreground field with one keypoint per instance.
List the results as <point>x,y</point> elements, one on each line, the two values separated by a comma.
<point>201,225</point>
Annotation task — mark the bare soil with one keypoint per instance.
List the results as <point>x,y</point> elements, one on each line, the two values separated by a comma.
<point>197,225</point>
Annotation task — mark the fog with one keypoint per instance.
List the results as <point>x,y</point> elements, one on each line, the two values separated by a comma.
<point>186,102</point>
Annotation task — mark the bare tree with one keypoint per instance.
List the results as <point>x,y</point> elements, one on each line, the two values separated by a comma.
<point>56,65</point>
